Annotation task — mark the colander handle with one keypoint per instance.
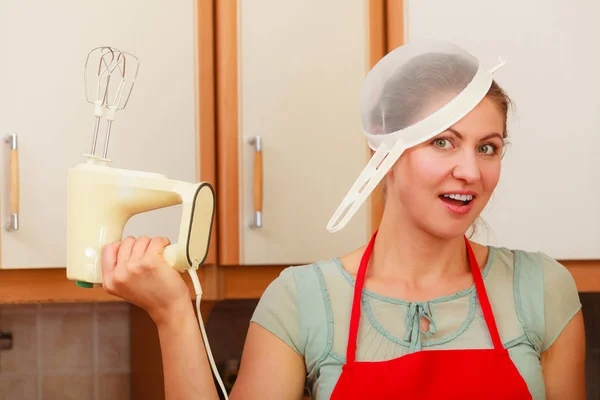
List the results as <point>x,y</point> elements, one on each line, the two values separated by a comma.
<point>13,182</point>
<point>258,182</point>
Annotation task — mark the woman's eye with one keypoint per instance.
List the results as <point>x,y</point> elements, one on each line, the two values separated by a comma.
<point>487,149</point>
<point>442,143</point>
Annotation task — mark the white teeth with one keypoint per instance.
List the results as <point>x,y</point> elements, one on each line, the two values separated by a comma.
<point>461,197</point>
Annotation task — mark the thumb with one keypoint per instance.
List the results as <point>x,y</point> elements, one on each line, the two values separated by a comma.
<point>157,245</point>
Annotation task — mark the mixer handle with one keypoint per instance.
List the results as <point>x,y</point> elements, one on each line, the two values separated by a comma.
<point>195,229</point>
<point>258,181</point>
<point>13,182</point>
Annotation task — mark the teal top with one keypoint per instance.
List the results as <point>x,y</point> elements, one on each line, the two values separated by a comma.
<point>308,307</point>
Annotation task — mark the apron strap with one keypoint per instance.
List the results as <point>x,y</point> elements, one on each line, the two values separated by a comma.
<point>355,316</point>
<point>484,302</point>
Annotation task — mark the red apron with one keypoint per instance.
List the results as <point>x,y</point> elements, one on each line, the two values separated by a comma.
<point>431,374</point>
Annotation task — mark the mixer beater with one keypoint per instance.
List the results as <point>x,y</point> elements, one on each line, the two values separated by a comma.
<point>114,73</point>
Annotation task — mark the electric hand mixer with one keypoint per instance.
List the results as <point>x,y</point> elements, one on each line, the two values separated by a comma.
<point>101,198</point>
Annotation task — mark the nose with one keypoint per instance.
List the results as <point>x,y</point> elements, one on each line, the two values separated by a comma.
<point>467,167</point>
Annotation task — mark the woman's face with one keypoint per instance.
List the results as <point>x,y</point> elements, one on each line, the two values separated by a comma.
<point>464,162</point>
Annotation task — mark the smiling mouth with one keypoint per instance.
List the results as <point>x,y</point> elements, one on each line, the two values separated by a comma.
<point>457,199</point>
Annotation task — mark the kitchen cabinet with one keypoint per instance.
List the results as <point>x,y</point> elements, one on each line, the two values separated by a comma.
<point>289,76</point>
<point>300,95</point>
<point>165,127</point>
<point>297,89</point>
<point>213,76</point>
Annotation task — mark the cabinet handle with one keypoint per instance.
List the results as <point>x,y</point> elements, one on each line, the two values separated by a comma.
<point>13,182</point>
<point>258,181</point>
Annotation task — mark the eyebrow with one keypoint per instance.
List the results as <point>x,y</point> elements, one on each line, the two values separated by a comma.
<point>491,135</point>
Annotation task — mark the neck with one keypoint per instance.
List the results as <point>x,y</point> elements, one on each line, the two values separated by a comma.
<point>407,252</point>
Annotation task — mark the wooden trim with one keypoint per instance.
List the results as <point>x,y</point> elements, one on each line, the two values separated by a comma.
<point>206,105</point>
<point>210,276</point>
<point>227,133</point>
<point>51,286</point>
<point>377,45</point>
<point>249,282</point>
<point>20,286</point>
<point>586,274</point>
<point>394,25</point>
<point>239,283</point>
<point>211,280</point>
<point>377,40</point>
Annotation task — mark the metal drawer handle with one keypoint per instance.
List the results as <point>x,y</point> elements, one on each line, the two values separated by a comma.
<point>258,182</point>
<point>13,182</point>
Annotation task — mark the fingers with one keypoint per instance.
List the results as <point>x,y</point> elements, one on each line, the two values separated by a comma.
<point>108,260</point>
<point>129,258</point>
<point>125,250</point>
<point>139,248</point>
<point>108,263</point>
<point>114,257</point>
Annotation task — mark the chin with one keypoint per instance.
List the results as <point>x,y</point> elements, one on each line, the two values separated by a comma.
<point>447,228</point>
<point>447,233</point>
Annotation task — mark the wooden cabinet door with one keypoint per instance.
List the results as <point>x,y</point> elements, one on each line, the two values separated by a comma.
<point>290,73</point>
<point>42,100</point>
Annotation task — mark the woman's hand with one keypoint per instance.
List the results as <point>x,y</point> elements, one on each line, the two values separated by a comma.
<point>136,271</point>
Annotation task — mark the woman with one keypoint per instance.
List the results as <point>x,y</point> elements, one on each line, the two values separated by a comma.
<point>418,312</point>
